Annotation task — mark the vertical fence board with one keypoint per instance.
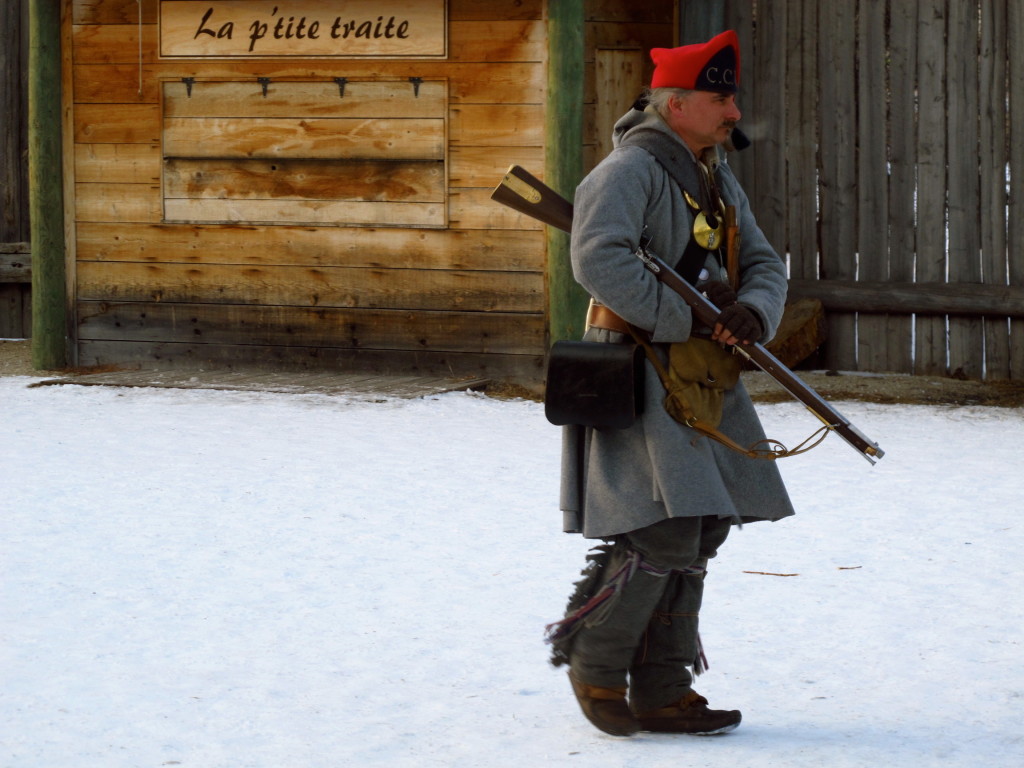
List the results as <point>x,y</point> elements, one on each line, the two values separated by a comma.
<point>992,147</point>
<point>930,352</point>
<point>872,177</point>
<point>902,176</point>
<point>770,113</point>
<point>802,139</point>
<point>1015,237</point>
<point>838,195</point>
<point>739,15</point>
<point>966,344</point>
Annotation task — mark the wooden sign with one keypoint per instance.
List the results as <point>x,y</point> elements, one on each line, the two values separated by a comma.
<point>290,28</point>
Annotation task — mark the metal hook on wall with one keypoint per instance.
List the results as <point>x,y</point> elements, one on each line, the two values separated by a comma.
<point>264,82</point>
<point>416,82</point>
<point>341,86</point>
<point>189,82</point>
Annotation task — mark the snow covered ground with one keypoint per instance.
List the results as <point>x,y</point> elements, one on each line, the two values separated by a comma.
<point>212,579</point>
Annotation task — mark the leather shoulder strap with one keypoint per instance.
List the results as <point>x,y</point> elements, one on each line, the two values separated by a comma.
<point>665,149</point>
<point>671,156</point>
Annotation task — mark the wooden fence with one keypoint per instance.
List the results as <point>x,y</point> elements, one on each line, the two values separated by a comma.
<point>887,136</point>
<point>15,309</point>
<point>888,162</point>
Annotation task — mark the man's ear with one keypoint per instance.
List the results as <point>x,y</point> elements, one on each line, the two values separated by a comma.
<point>676,104</point>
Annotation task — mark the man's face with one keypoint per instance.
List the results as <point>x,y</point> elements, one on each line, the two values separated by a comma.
<point>703,118</point>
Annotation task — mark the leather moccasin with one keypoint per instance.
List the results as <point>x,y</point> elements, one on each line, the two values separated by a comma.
<point>691,715</point>
<point>605,708</point>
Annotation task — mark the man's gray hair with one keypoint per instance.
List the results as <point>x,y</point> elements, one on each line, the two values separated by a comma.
<point>658,98</point>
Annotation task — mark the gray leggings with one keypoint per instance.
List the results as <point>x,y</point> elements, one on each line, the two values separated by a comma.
<point>679,543</point>
<point>649,638</point>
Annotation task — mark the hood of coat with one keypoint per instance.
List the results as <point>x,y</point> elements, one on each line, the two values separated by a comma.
<point>649,119</point>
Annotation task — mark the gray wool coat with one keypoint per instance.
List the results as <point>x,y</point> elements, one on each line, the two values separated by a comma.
<point>622,480</point>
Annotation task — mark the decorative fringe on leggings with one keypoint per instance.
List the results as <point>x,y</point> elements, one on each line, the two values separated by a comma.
<point>588,607</point>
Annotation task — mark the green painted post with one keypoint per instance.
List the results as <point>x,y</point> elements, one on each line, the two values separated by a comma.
<point>563,158</point>
<point>45,177</point>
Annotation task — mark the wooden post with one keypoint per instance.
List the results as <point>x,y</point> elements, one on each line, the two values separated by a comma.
<point>563,158</point>
<point>46,208</point>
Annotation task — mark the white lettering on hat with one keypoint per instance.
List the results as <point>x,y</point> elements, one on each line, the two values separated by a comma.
<point>728,76</point>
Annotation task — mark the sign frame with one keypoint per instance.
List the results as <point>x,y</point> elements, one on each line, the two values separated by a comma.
<point>306,29</point>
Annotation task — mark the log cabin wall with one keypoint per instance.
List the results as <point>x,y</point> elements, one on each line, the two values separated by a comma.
<point>303,212</point>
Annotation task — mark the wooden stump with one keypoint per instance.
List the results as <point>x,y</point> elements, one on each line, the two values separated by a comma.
<point>800,333</point>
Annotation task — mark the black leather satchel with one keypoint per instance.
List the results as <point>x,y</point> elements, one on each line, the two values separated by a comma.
<point>594,384</point>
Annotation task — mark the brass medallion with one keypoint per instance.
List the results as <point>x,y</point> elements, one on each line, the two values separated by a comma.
<point>708,231</point>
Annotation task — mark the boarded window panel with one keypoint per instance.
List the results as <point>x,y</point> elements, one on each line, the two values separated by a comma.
<point>352,180</point>
<point>312,212</point>
<point>323,98</point>
<point>327,138</point>
<point>363,153</point>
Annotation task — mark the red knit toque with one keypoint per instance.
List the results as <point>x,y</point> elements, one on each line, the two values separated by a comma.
<point>710,66</point>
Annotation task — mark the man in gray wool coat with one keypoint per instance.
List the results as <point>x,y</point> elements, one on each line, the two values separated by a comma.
<point>662,496</point>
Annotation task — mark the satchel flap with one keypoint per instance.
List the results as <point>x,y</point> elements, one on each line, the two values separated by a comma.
<point>593,384</point>
<point>705,362</point>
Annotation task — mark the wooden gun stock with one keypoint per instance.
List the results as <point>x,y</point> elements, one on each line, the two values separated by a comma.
<point>522,191</point>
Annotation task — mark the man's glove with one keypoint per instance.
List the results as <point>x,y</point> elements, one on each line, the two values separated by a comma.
<point>741,322</point>
<point>719,293</point>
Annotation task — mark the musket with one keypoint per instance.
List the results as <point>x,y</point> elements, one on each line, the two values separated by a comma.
<point>524,192</point>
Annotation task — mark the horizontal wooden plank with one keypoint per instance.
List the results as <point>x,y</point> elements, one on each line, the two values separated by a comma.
<point>313,246</point>
<point>487,125</point>
<point>117,83</point>
<point>484,83</point>
<point>15,266</point>
<point>626,35</point>
<point>313,212</point>
<point>656,11</point>
<point>926,298</point>
<point>416,289</point>
<point>506,40</point>
<point>118,202</point>
<point>474,209</point>
<point>123,163</point>
<point>524,369</point>
<point>474,10</point>
<point>360,384</point>
<point>113,12</point>
<point>486,166</point>
<point>114,43</point>
<point>286,179</point>
<point>394,139</point>
<point>325,98</point>
<point>497,83</point>
<point>363,329</point>
<point>127,124</point>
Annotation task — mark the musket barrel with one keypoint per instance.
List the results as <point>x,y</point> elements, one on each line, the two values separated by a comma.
<point>527,194</point>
